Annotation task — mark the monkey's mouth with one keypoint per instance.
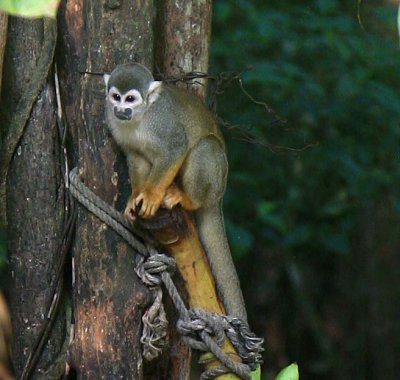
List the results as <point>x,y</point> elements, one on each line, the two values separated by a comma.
<point>124,114</point>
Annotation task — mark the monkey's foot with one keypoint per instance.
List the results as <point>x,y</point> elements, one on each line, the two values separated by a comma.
<point>150,201</point>
<point>172,197</point>
<point>175,195</point>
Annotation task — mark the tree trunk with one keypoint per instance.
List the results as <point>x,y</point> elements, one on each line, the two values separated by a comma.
<point>35,199</point>
<point>108,299</point>
<point>3,37</point>
<point>184,38</point>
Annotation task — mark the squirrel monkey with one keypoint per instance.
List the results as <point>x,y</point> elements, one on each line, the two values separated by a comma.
<point>175,154</point>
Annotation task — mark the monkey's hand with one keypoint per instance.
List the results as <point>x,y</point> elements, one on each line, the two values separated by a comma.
<point>150,200</point>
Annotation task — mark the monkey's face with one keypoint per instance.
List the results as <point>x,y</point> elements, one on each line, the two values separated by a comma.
<point>125,105</point>
<point>130,90</point>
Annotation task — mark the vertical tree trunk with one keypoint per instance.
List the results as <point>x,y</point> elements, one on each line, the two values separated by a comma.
<point>35,199</point>
<point>3,36</point>
<point>108,297</point>
<point>184,38</point>
<point>182,45</point>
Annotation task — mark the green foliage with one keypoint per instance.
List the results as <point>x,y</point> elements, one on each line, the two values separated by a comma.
<point>337,86</point>
<point>30,8</point>
<point>297,190</point>
<point>291,372</point>
<point>256,374</point>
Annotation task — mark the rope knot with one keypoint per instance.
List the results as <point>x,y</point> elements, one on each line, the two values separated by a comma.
<point>200,321</point>
<point>150,268</point>
<point>247,344</point>
<point>155,325</point>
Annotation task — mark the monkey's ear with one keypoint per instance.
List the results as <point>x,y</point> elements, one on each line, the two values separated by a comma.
<point>154,90</point>
<point>106,77</point>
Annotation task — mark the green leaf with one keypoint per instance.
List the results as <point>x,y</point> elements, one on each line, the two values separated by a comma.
<point>30,8</point>
<point>256,374</point>
<point>289,373</point>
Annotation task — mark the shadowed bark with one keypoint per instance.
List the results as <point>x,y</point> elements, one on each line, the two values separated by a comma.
<point>35,200</point>
<point>3,37</point>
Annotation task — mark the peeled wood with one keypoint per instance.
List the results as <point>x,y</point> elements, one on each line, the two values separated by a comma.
<point>182,242</point>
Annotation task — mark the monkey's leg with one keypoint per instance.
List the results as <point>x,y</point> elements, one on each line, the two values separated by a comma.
<point>203,174</point>
<point>201,179</point>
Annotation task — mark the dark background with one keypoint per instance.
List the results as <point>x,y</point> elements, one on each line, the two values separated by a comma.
<point>312,205</point>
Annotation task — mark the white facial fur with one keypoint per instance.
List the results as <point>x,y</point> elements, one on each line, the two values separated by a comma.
<point>124,107</point>
<point>131,99</point>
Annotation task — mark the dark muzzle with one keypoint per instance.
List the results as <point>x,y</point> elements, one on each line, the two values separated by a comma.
<point>123,113</point>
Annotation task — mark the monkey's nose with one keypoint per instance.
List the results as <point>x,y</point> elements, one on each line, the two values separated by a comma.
<point>123,113</point>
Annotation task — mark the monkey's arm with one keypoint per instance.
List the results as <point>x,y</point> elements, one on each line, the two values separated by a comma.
<point>164,154</point>
<point>153,190</point>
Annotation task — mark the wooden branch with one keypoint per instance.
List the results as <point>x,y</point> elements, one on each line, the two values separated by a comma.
<point>178,234</point>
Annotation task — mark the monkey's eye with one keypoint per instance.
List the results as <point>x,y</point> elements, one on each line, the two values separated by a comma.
<point>130,99</point>
<point>116,97</point>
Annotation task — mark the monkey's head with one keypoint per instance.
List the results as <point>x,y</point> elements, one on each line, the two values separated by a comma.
<point>130,89</point>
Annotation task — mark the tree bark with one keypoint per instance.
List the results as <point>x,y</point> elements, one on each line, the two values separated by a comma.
<point>108,297</point>
<point>35,201</point>
<point>3,37</point>
<point>182,46</point>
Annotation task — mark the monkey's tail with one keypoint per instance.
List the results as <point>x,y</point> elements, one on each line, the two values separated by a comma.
<point>210,225</point>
